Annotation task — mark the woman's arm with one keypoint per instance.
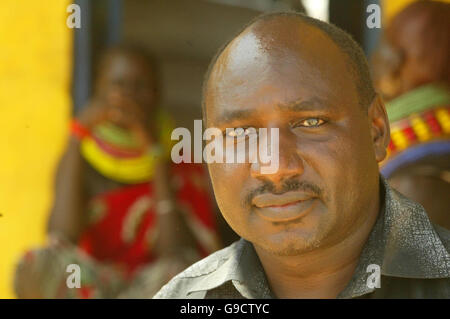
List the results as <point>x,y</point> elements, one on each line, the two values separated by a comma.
<point>67,214</point>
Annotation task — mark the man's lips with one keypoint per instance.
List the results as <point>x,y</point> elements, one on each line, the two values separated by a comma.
<point>283,207</point>
<point>269,200</point>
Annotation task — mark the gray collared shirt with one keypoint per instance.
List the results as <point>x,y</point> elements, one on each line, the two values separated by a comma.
<point>412,255</point>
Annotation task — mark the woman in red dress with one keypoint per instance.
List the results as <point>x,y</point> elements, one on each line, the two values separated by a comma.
<point>123,213</point>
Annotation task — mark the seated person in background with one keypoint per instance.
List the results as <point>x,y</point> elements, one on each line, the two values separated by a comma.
<point>121,209</point>
<point>412,71</point>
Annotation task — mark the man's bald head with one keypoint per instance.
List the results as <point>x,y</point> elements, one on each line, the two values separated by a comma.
<point>355,58</point>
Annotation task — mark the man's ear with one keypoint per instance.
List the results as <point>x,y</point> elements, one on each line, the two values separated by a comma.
<point>379,127</point>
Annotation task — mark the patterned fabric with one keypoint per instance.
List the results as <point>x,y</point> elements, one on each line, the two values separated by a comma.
<point>122,222</point>
<point>413,256</point>
<point>115,252</point>
<point>45,273</point>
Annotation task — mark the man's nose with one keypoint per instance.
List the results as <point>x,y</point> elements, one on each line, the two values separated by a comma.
<point>290,164</point>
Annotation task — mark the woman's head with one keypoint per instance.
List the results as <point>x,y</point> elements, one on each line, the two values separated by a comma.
<point>126,78</point>
<point>415,49</point>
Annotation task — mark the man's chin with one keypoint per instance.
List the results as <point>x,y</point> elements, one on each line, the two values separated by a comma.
<point>292,243</point>
<point>289,247</point>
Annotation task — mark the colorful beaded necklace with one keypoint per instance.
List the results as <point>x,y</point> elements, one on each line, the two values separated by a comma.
<point>419,120</point>
<point>116,154</point>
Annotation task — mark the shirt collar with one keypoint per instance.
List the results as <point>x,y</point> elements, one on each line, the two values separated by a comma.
<point>243,269</point>
<point>403,243</point>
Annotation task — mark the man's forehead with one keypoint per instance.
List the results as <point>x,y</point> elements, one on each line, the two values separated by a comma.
<point>274,36</point>
<point>284,48</point>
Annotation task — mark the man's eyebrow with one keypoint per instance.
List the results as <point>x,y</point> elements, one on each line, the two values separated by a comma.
<point>230,116</point>
<point>314,104</point>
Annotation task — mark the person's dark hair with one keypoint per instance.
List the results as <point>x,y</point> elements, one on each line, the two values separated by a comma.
<point>357,61</point>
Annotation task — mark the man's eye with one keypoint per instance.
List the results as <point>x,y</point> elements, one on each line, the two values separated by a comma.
<point>310,122</point>
<point>240,132</point>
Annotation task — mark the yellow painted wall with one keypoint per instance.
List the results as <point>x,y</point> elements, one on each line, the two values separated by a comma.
<point>35,75</point>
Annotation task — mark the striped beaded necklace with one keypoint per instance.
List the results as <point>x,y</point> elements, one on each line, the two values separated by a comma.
<point>418,118</point>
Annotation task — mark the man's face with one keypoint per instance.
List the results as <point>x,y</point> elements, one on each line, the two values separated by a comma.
<point>292,77</point>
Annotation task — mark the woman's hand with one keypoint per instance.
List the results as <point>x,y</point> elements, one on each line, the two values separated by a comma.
<point>93,114</point>
<point>128,116</point>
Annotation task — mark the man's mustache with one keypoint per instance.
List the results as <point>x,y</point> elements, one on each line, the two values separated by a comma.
<point>286,186</point>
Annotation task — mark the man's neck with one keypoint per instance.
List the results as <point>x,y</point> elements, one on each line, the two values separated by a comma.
<point>322,272</point>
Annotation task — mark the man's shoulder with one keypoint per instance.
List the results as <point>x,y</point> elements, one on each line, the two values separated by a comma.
<point>444,235</point>
<point>180,285</point>
<point>416,212</point>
